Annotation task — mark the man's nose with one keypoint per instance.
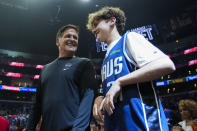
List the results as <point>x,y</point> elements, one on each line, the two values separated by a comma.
<point>72,38</point>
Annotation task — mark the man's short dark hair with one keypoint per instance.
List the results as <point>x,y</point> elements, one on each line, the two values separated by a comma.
<point>64,28</point>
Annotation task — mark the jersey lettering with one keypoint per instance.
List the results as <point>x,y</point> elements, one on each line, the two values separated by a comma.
<point>113,66</point>
<point>118,64</point>
<point>109,84</point>
<point>110,68</point>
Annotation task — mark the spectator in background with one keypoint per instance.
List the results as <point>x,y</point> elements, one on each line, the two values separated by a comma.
<point>177,128</point>
<point>4,124</point>
<point>188,111</point>
<point>171,113</point>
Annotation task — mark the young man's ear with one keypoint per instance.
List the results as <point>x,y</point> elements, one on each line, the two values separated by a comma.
<point>57,41</point>
<point>113,20</point>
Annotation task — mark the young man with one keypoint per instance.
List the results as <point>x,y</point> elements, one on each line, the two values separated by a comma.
<point>65,97</point>
<point>129,103</point>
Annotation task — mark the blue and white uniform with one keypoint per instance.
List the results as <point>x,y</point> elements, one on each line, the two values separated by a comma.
<point>140,108</point>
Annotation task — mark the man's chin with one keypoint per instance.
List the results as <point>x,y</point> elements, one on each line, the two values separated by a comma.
<point>72,50</point>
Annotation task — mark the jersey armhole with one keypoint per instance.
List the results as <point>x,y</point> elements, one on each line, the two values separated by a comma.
<point>131,60</point>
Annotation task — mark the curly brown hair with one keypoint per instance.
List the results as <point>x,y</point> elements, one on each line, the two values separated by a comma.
<point>64,28</point>
<point>189,105</point>
<point>106,13</point>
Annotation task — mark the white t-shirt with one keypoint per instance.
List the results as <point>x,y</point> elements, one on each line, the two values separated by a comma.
<point>140,49</point>
<point>186,128</point>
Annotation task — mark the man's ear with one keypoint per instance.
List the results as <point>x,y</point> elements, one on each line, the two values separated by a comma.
<point>57,42</point>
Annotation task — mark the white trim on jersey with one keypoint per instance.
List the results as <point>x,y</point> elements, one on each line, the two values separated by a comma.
<point>144,112</point>
<point>158,109</point>
<point>125,51</point>
<point>110,46</point>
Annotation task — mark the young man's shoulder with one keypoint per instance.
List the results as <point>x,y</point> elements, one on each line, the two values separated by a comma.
<point>134,34</point>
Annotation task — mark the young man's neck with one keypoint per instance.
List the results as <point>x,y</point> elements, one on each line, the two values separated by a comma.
<point>114,36</point>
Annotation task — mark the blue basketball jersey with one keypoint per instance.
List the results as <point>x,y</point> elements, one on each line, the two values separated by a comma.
<point>140,108</point>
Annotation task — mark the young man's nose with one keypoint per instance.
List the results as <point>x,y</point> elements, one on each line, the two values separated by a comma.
<point>94,31</point>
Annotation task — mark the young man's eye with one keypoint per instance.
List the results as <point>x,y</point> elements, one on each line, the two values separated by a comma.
<point>95,24</point>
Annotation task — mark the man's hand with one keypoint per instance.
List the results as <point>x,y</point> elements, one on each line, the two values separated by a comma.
<point>111,97</point>
<point>97,109</point>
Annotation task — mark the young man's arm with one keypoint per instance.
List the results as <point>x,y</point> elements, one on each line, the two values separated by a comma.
<point>89,84</point>
<point>153,64</point>
<point>151,71</point>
